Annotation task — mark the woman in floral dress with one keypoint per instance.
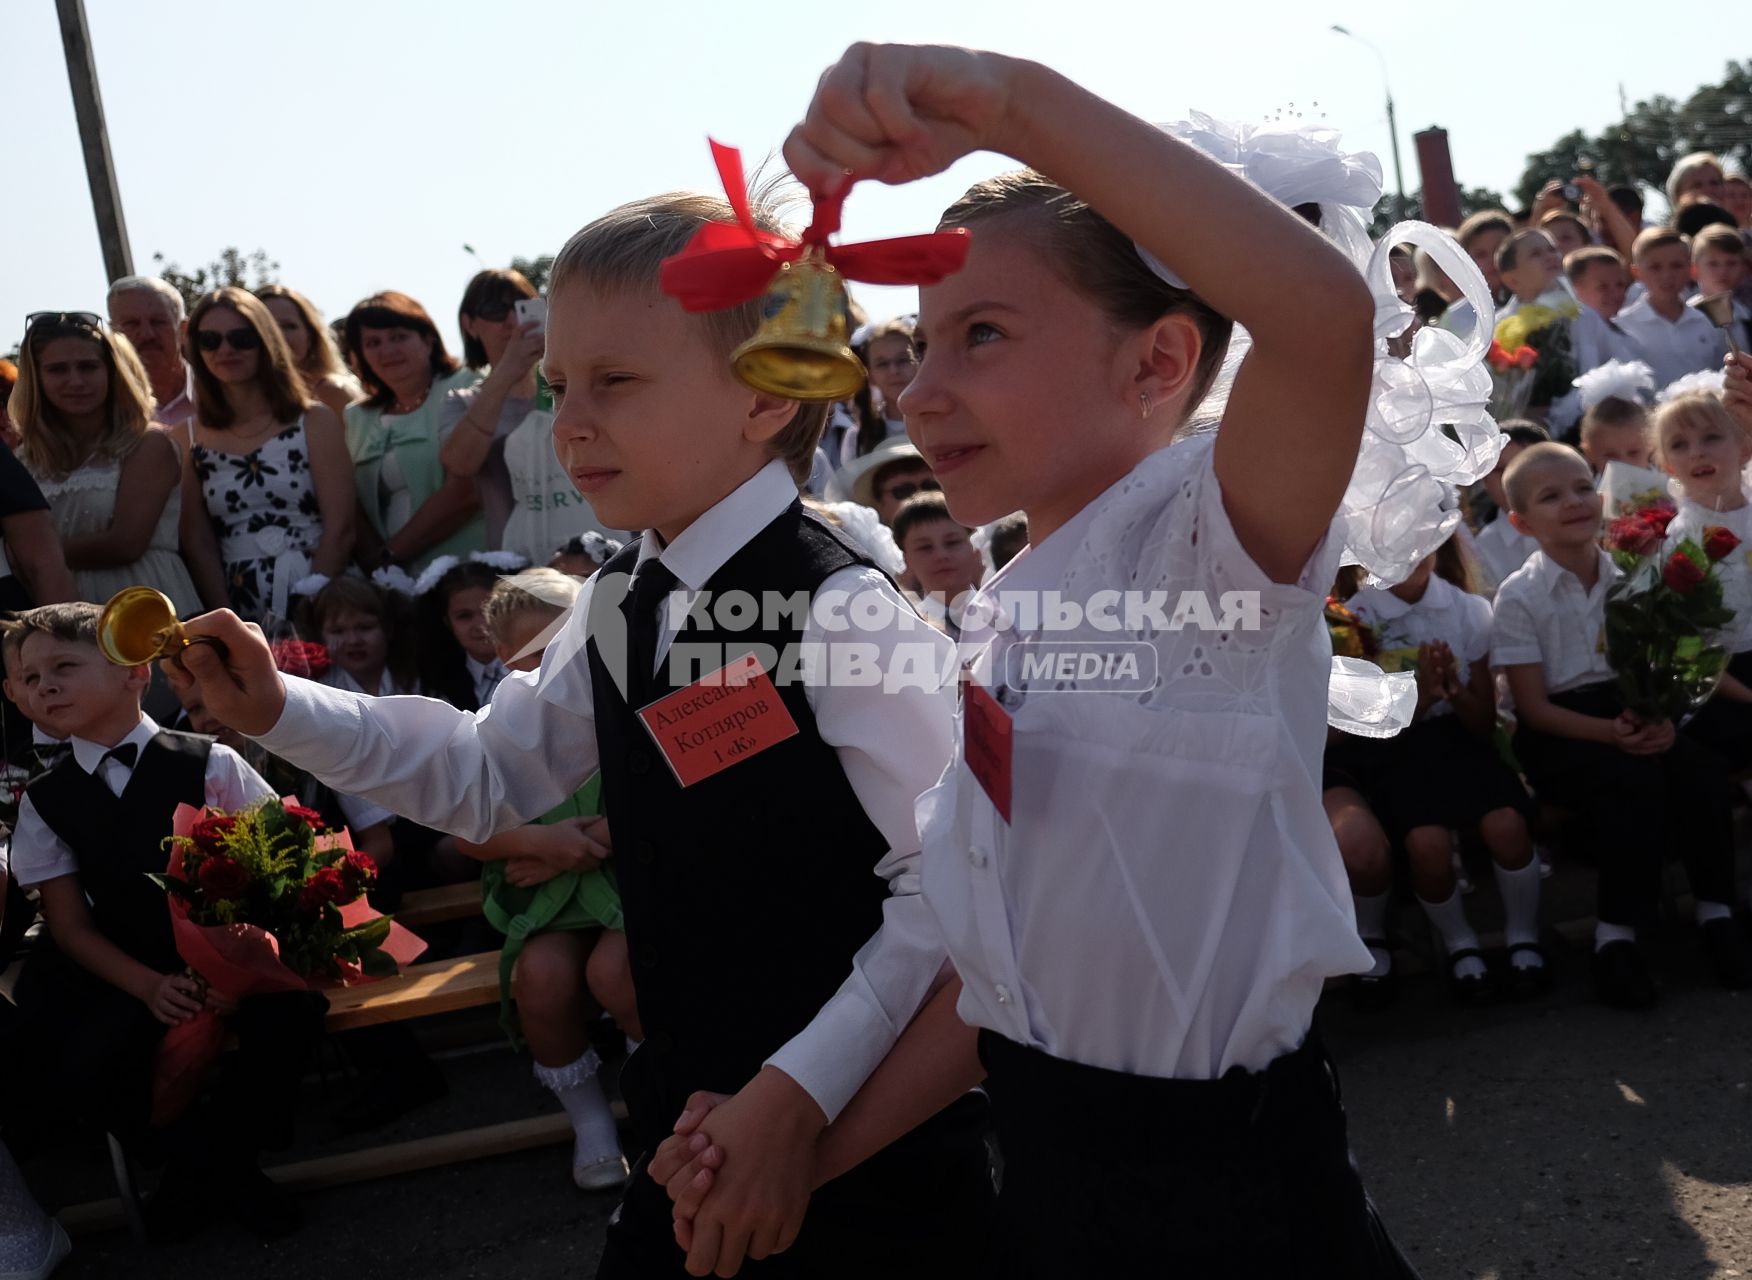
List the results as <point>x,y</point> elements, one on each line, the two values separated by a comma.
<point>269,482</point>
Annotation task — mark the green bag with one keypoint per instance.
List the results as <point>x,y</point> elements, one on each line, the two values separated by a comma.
<point>571,901</point>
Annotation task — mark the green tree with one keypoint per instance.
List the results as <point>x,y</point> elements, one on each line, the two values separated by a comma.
<point>1642,147</point>
<point>245,270</point>
<point>1472,200</point>
<point>536,270</point>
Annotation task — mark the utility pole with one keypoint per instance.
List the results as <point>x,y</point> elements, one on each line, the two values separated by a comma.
<point>100,171</point>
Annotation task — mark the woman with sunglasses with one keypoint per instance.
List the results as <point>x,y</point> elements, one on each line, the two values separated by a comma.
<point>83,408</point>
<point>475,421</point>
<point>268,489</point>
<point>416,507</point>
<point>313,349</point>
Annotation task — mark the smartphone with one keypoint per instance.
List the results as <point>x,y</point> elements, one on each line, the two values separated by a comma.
<point>532,309</point>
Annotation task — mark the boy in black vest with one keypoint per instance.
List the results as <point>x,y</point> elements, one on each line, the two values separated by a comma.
<point>762,823</point>
<point>95,1001</point>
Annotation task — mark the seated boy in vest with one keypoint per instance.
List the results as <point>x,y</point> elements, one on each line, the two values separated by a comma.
<point>96,1000</point>
<point>766,855</point>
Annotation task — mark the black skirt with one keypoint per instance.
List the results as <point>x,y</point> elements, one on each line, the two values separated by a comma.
<point>1248,1176</point>
<point>1434,774</point>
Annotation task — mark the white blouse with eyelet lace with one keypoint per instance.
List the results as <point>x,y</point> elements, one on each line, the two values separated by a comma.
<point>1167,899</point>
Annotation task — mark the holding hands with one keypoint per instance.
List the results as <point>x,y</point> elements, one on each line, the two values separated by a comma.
<point>1638,737</point>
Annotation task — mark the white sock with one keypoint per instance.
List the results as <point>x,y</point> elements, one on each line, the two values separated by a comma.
<point>580,1093</point>
<point>1450,920</point>
<point>1605,933</point>
<point>1707,911</point>
<point>1520,890</point>
<point>1372,923</point>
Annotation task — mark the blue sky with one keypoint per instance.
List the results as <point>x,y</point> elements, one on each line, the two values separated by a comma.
<point>362,143</point>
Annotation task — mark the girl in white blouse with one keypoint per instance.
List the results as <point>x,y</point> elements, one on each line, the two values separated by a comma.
<point>1136,884</point>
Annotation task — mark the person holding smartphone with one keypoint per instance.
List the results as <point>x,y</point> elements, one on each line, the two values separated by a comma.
<point>504,327</point>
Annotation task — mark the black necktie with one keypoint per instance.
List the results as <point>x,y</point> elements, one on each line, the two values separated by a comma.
<point>651,583</point>
<point>127,753</point>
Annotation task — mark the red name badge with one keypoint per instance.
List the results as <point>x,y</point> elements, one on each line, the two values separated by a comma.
<point>985,738</point>
<point>728,716</point>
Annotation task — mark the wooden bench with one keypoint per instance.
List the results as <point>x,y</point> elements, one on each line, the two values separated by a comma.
<point>435,906</point>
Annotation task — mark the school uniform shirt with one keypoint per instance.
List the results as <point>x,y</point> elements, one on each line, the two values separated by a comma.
<point>1502,549</point>
<point>38,854</point>
<point>1594,340</point>
<point>535,744</point>
<point>1458,618</point>
<point>1542,614</point>
<point>1166,899</point>
<point>1673,348</point>
<point>1734,571</point>
<point>486,677</point>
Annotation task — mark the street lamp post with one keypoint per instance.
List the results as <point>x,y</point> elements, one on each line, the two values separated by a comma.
<point>1392,120</point>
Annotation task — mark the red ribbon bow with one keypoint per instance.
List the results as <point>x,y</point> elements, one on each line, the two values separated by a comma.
<point>726,264</point>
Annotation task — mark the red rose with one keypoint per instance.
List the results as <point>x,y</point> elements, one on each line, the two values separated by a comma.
<point>210,832</point>
<point>1633,534</point>
<point>1658,516</point>
<point>1719,543</point>
<point>359,871</point>
<point>1682,574</point>
<point>309,817</point>
<point>222,877</point>
<point>323,887</point>
<point>301,658</point>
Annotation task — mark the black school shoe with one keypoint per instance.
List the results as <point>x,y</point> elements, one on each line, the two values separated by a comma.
<point>1469,992</point>
<point>1621,977</point>
<point>1728,952</point>
<point>1531,982</point>
<point>1373,994</point>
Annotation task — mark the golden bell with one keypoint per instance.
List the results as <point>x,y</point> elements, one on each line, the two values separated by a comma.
<point>1719,308</point>
<point>802,350</point>
<point>139,626</point>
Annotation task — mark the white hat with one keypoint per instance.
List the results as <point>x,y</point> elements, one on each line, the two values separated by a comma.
<point>857,479</point>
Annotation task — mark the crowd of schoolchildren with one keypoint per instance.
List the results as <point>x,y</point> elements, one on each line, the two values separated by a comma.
<point>397,522</point>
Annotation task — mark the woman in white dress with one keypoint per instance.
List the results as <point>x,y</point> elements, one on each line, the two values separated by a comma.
<point>83,407</point>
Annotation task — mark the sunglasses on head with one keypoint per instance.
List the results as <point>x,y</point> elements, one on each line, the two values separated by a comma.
<point>244,339</point>
<point>906,488</point>
<point>81,319</point>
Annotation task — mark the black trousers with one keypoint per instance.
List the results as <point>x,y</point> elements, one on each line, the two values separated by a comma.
<point>1109,1174</point>
<point>1724,725</point>
<point>83,1047</point>
<point>1636,809</point>
<point>920,1210</point>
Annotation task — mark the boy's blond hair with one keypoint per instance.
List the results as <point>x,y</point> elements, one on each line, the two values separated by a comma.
<point>543,593</point>
<point>1577,262</point>
<point>623,250</point>
<point>1723,239</point>
<point>1517,478</point>
<point>1695,409</point>
<point>1651,238</point>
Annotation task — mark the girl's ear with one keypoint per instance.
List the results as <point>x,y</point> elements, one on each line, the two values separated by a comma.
<point>1167,361</point>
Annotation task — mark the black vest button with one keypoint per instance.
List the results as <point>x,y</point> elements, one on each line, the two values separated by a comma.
<point>646,852</point>
<point>639,761</point>
<point>648,956</point>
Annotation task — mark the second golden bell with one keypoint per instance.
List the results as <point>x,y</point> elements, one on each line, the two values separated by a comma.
<point>802,351</point>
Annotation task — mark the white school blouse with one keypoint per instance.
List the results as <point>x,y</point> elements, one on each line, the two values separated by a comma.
<point>1167,899</point>
<point>1543,615</point>
<point>1735,571</point>
<point>1458,618</point>
<point>535,743</point>
<point>1502,549</point>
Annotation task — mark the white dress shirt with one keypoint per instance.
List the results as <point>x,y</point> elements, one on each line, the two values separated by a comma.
<point>1458,618</point>
<point>1502,549</point>
<point>1734,571</point>
<point>1167,899</point>
<point>1673,348</point>
<point>38,854</point>
<point>1543,615</point>
<point>535,743</point>
<point>486,677</point>
<point>1595,340</point>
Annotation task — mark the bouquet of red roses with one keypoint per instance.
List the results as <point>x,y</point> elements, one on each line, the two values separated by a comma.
<point>1664,616</point>
<point>266,899</point>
